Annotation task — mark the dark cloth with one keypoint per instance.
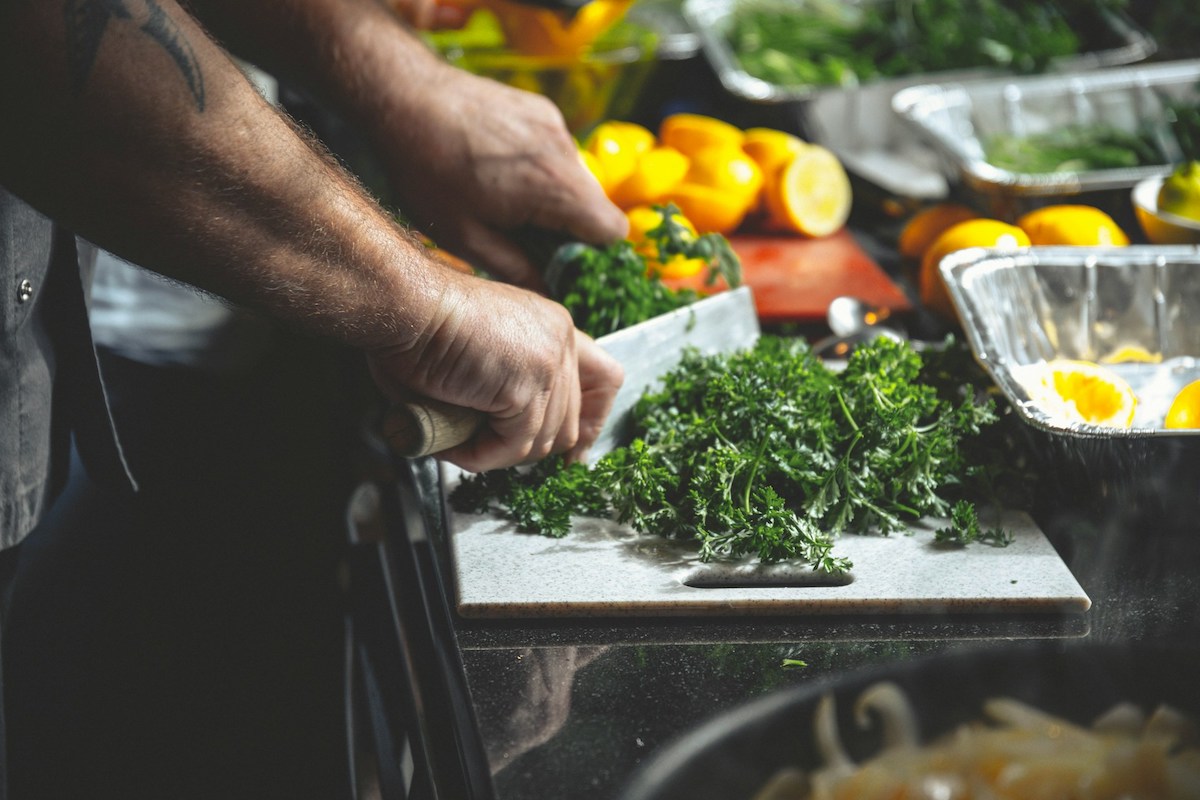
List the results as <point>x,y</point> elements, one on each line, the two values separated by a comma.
<point>186,642</point>
<point>8,565</point>
<point>49,381</point>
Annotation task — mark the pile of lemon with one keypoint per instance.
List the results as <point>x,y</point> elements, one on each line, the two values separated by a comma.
<point>720,175</point>
<point>936,232</point>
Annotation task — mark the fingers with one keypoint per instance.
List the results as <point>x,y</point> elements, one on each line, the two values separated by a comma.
<point>583,211</point>
<point>548,424</point>
<point>565,419</point>
<point>595,218</point>
<point>600,378</point>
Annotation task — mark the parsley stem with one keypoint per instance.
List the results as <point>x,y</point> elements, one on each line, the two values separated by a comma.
<point>758,456</point>
<point>845,409</point>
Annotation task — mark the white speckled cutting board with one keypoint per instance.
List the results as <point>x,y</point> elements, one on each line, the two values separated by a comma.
<point>602,569</point>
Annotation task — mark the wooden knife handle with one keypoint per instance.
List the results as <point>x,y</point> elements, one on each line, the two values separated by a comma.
<point>425,427</point>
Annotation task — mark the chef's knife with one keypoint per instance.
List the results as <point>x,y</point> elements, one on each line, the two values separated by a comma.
<point>724,322</point>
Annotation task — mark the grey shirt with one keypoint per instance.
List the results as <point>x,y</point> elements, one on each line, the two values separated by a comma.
<point>50,384</point>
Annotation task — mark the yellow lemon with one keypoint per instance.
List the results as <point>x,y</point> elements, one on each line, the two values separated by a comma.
<point>728,170</point>
<point>1185,408</point>
<point>617,146</point>
<point>926,225</point>
<point>677,266</point>
<point>654,175</point>
<point>643,219</point>
<point>709,209</point>
<point>1077,225</point>
<point>970,233</point>
<point>771,148</point>
<point>1180,191</point>
<point>810,194</point>
<point>690,133</point>
<point>1079,392</point>
<point>1132,354</point>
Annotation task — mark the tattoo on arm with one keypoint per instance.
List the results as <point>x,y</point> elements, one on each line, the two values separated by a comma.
<point>87,21</point>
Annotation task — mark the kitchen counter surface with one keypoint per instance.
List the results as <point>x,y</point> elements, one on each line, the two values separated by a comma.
<point>572,707</point>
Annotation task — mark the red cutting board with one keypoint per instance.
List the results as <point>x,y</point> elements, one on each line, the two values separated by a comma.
<point>795,278</point>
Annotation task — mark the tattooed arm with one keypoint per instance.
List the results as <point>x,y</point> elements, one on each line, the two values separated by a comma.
<point>471,160</point>
<point>125,122</point>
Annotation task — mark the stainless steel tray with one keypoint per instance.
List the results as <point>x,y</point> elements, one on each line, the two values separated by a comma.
<point>956,119</point>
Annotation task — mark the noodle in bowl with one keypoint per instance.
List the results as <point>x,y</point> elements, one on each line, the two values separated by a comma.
<point>1030,720</point>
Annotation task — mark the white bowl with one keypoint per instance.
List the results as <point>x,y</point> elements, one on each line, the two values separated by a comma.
<point>1161,227</point>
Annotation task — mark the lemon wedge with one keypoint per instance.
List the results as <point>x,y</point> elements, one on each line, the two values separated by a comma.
<point>1079,392</point>
<point>1132,354</point>
<point>810,194</point>
<point>1185,408</point>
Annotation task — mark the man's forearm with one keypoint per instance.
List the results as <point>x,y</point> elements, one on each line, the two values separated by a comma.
<point>173,161</point>
<point>355,54</point>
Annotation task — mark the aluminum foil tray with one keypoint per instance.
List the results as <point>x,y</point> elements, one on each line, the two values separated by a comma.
<point>857,123</point>
<point>1019,308</point>
<point>957,118</point>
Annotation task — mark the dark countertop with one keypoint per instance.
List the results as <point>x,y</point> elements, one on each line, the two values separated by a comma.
<point>573,707</point>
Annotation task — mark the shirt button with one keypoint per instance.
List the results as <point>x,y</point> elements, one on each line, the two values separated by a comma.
<point>24,290</point>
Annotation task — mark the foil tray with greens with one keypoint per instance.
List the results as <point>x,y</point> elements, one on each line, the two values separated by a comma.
<point>781,50</point>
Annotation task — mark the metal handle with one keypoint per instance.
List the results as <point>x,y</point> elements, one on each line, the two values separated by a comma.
<point>424,427</point>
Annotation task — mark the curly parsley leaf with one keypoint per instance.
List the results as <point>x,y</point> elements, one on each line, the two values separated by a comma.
<point>770,453</point>
<point>607,289</point>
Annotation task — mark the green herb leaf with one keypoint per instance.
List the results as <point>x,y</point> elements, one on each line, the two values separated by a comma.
<point>770,453</point>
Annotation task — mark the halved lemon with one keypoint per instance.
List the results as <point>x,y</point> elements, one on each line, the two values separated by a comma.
<point>1132,354</point>
<point>810,194</point>
<point>1077,392</point>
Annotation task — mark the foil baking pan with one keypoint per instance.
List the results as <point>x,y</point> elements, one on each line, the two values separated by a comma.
<point>857,122</point>
<point>1027,307</point>
<point>958,119</point>
<point>1021,308</point>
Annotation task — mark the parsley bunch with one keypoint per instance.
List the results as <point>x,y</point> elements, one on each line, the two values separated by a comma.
<point>607,289</point>
<point>769,452</point>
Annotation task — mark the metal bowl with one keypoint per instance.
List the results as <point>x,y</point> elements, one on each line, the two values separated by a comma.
<point>736,753</point>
